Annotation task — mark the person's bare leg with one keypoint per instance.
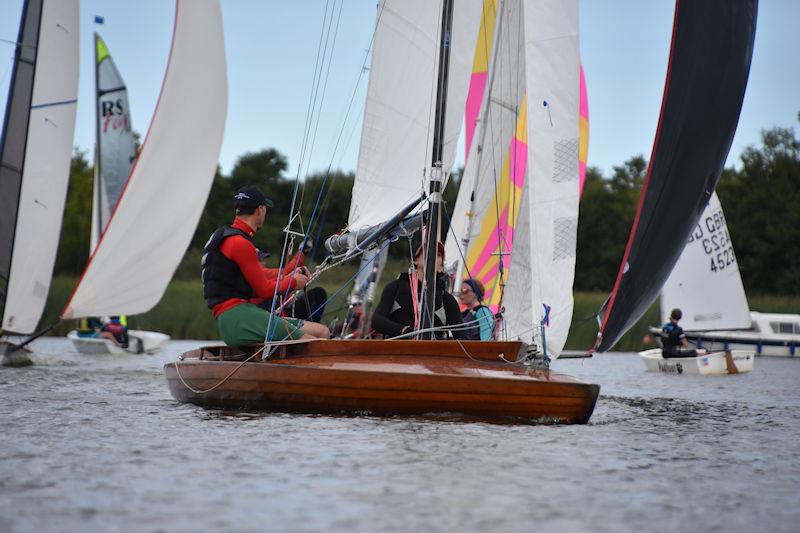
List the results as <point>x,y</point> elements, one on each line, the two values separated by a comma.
<point>315,330</point>
<point>110,336</point>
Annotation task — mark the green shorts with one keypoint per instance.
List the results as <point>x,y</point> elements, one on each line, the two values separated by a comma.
<point>246,324</point>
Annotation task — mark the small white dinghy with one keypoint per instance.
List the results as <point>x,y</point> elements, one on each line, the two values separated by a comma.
<point>139,342</point>
<point>706,363</point>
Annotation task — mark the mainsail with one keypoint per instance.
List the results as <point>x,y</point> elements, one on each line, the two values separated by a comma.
<point>35,153</point>
<point>398,118</point>
<point>116,146</point>
<point>712,46</point>
<point>165,194</point>
<point>705,282</point>
<point>516,213</point>
<point>542,269</point>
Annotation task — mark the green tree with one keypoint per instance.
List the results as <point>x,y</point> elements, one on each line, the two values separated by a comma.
<point>761,207</point>
<point>607,209</point>
<point>73,250</point>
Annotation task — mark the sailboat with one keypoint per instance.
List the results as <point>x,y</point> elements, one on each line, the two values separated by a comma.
<point>712,47</point>
<point>706,283</point>
<point>420,56</point>
<point>35,150</point>
<point>115,154</point>
<point>148,231</point>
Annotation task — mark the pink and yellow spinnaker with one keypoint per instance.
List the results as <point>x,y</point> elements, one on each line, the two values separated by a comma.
<point>496,238</point>
<point>480,71</point>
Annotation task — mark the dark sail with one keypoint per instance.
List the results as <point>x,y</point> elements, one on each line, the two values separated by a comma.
<point>13,138</point>
<point>712,45</point>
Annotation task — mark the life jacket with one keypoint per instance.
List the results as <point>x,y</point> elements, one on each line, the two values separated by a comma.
<point>404,302</point>
<point>222,278</point>
<point>120,331</point>
<point>471,317</point>
<point>671,337</point>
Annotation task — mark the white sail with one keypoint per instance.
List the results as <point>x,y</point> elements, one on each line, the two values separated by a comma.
<point>41,165</point>
<point>397,131</point>
<point>705,283</point>
<point>543,260</point>
<point>166,192</point>
<point>116,146</point>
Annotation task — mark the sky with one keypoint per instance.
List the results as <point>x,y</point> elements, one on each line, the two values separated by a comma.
<point>271,50</point>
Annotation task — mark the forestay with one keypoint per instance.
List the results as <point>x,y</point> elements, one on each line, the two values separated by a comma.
<point>116,148</point>
<point>165,194</point>
<point>36,149</point>
<point>398,118</point>
<point>705,282</point>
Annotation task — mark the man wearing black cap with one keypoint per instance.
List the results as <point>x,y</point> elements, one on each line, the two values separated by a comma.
<point>234,280</point>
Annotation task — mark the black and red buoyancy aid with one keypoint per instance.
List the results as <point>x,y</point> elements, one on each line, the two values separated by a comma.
<point>222,278</point>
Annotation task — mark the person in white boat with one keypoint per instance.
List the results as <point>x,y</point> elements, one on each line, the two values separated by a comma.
<point>474,313</point>
<point>234,281</point>
<point>674,339</point>
<point>114,329</point>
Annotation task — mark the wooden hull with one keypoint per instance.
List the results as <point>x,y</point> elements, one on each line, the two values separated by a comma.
<point>385,378</point>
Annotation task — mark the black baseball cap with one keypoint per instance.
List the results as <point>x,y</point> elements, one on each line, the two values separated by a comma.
<point>250,198</point>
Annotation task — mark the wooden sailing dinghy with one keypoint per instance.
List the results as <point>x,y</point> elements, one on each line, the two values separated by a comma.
<point>401,377</point>
<point>413,377</point>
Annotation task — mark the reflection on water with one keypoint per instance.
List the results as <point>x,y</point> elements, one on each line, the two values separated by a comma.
<point>98,444</point>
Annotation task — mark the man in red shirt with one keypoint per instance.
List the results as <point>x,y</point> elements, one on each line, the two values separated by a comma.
<point>234,280</point>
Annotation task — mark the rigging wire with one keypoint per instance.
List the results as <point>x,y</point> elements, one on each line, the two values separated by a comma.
<point>309,117</point>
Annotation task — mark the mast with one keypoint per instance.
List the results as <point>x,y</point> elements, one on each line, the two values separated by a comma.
<point>96,227</point>
<point>435,198</point>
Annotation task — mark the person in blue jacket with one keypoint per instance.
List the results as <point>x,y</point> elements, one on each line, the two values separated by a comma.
<point>475,314</point>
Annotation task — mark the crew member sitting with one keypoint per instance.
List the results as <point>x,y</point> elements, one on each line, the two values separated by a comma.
<point>400,308</point>
<point>674,339</point>
<point>114,329</point>
<point>476,315</point>
<point>234,281</point>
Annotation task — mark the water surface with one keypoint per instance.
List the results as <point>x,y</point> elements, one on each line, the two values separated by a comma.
<point>98,444</point>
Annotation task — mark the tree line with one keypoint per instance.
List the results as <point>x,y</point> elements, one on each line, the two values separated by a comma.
<point>760,199</point>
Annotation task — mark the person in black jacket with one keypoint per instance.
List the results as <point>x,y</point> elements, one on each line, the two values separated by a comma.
<point>395,314</point>
<point>674,339</point>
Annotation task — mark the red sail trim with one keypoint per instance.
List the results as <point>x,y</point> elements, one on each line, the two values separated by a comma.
<point>642,195</point>
<point>135,163</point>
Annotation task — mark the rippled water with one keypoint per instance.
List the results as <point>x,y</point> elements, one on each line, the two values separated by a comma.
<point>98,444</point>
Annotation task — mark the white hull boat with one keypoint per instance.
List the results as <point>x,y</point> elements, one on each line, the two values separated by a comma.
<point>705,364</point>
<point>140,342</point>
